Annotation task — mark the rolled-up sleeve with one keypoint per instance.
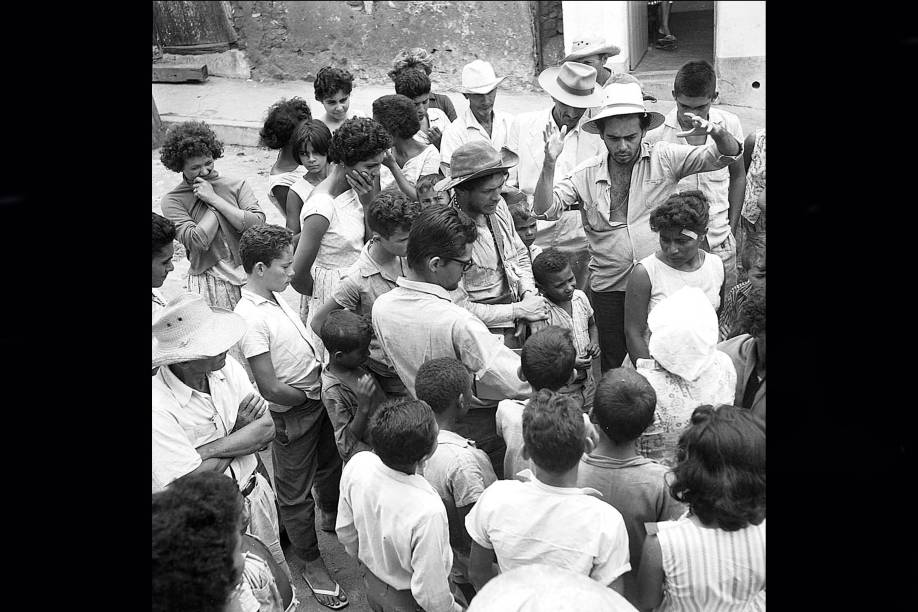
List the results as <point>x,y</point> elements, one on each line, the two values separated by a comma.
<point>563,197</point>
<point>684,160</point>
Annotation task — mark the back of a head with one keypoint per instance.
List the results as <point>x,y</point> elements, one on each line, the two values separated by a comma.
<point>163,232</point>
<point>553,431</point>
<point>548,358</point>
<point>345,331</point>
<point>623,405</point>
<point>696,79</point>
<point>720,471</point>
<point>396,113</point>
<point>402,431</point>
<point>412,82</point>
<point>391,211</point>
<point>686,209</point>
<point>281,121</point>
<point>440,381</point>
<point>440,230</point>
<point>752,313</point>
<point>358,139</point>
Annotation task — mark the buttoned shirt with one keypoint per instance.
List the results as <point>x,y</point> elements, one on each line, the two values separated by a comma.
<point>715,185</point>
<point>417,322</point>
<point>436,118</point>
<point>616,246</point>
<point>396,525</point>
<point>466,129</point>
<point>184,419</point>
<point>273,326</point>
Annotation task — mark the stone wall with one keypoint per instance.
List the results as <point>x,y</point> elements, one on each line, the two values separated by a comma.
<point>292,40</point>
<point>551,32</point>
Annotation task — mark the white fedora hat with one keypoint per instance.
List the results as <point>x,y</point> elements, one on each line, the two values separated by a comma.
<point>478,78</point>
<point>187,328</point>
<point>622,99</point>
<point>573,84</point>
<point>592,45</point>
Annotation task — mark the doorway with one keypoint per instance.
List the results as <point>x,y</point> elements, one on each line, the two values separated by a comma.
<point>692,23</point>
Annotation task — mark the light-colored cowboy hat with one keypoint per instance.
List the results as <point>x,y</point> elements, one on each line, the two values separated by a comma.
<point>573,84</point>
<point>478,78</point>
<point>591,45</point>
<point>622,99</point>
<point>624,77</point>
<point>187,328</point>
<point>475,159</point>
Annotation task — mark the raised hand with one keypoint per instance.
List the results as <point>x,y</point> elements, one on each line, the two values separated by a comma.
<point>203,190</point>
<point>700,127</point>
<point>554,142</point>
<point>364,390</point>
<point>362,184</point>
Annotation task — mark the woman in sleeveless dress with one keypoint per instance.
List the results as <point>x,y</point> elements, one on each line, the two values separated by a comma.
<point>282,121</point>
<point>310,144</point>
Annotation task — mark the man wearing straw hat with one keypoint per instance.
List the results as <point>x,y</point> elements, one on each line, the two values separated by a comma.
<point>479,121</point>
<point>616,192</point>
<point>595,52</point>
<point>206,414</point>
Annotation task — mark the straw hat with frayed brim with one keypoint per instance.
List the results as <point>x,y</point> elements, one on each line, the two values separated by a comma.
<point>478,78</point>
<point>475,159</point>
<point>187,328</point>
<point>622,99</point>
<point>573,84</point>
<point>590,46</point>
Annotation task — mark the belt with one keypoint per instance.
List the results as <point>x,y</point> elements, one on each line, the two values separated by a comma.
<point>249,485</point>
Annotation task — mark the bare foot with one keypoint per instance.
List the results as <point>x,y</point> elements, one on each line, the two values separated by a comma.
<point>317,575</point>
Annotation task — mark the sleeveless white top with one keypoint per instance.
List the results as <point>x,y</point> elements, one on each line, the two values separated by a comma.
<point>666,280</point>
<point>285,179</point>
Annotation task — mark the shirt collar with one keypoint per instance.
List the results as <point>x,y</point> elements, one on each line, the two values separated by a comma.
<point>529,476</point>
<point>180,390</point>
<point>472,122</point>
<point>423,287</point>
<point>257,299</point>
<point>369,266</point>
<point>451,437</point>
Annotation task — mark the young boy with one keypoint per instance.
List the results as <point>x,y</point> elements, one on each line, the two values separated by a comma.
<point>333,89</point>
<point>548,519</point>
<point>632,484</point>
<point>569,308</point>
<point>547,362</point>
<point>391,519</point>
<point>285,368</point>
<point>163,250</point>
<point>458,471</point>
<point>753,260</point>
<point>415,84</point>
<point>427,195</point>
<point>525,224</point>
<point>349,391</point>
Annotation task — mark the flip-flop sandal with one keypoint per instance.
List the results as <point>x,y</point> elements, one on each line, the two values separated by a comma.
<point>337,593</point>
<point>666,45</point>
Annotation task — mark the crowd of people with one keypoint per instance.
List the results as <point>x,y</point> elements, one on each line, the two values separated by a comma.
<point>528,362</point>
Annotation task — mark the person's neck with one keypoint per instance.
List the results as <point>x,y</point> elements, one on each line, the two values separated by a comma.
<point>560,304</point>
<point>337,180</point>
<point>406,147</point>
<point>606,447</point>
<point>446,420</point>
<point>420,278</point>
<point>615,166</point>
<point>484,119</point>
<point>379,254</point>
<point>195,380</point>
<point>285,159</point>
<point>556,479</point>
<point>409,469</point>
<point>476,216</point>
<point>314,178</point>
<point>259,289</point>
<point>339,370</point>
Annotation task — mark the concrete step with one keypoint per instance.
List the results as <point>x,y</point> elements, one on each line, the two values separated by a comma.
<point>657,83</point>
<point>228,131</point>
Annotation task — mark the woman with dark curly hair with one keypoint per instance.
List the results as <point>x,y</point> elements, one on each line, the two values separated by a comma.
<point>310,147</point>
<point>284,117</point>
<point>682,223</point>
<point>419,58</point>
<point>333,89</point>
<point>713,558</point>
<point>333,218</point>
<point>408,160</point>
<point>210,213</point>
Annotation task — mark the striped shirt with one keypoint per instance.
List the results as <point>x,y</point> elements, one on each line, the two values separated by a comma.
<point>712,570</point>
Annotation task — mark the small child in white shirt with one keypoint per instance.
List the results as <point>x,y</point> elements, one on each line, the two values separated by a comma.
<point>549,519</point>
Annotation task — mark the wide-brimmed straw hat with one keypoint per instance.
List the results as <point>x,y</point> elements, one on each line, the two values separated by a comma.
<point>474,159</point>
<point>573,84</point>
<point>622,99</point>
<point>478,78</point>
<point>187,328</point>
<point>593,45</point>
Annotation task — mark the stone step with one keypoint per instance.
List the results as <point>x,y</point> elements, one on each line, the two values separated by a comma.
<point>229,132</point>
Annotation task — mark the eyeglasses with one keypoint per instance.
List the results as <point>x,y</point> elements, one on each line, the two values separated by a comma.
<point>466,263</point>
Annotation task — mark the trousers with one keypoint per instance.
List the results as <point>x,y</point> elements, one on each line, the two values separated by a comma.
<point>609,314</point>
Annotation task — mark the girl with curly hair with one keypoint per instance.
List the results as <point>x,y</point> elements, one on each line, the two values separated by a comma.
<point>419,59</point>
<point>310,147</point>
<point>713,558</point>
<point>333,89</point>
<point>282,120</point>
<point>332,221</point>
<point>210,213</point>
<point>408,160</point>
<point>682,223</point>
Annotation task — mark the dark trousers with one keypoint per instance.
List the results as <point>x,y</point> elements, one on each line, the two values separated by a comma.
<point>382,597</point>
<point>479,425</point>
<point>304,455</point>
<point>609,314</point>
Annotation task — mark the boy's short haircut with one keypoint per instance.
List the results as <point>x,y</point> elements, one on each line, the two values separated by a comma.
<point>440,381</point>
<point>548,358</point>
<point>330,80</point>
<point>696,79</point>
<point>402,431</point>
<point>412,83</point>
<point>514,197</point>
<point>163,233</point>
<point>313,132</point>
<point>520,213</point>
<point>396,113</point>
<point>440,230</point>
<point>263,243</point>
<point>547,262</point>
<point>345,331</point>
<point>553,431</point>
<point>391,211</point>
<point>624,404</point>
<point>427,182</point>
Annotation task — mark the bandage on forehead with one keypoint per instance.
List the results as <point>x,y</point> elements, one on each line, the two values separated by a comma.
<point>687,232</point>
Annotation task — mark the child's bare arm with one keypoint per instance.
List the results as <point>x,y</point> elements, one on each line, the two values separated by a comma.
<point>650,575</point>
<point>365,391</point>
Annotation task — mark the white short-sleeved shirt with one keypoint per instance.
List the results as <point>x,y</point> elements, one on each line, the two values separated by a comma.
<point>532,522</point>
<point>184,419</point>
<point>343,240</point>
<point>283,179</point>
<point>276,328</point>
<point>466,129</point>
<point>426,162</point>
<point>457,470</point>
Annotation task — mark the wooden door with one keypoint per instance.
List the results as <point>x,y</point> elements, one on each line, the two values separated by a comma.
<point>637,33</point>
<point>192,27</point>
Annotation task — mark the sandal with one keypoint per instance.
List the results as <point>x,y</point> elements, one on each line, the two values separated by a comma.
<point>338,594</point>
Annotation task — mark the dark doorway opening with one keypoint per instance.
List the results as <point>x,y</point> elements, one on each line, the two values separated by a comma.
<point>694,32</point>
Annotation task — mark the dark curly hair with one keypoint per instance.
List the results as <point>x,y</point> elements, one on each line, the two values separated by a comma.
<point>391,211</point>
<point>623,405</point>
<point>412,83</point>
<point>440,230</point>
<point>553,430</point>
<point>263,243</point>
<point>440,381</point>
<point>686,209</point>
<point>283,118</point>
<point>402,431</point>
<point>415,58</point>
<point>720,471</point>
<point>345,331</point>
<point>330,80</point>
<point>188,139</point>
<point>163,233</point>
<point>695,79</point>
<point>752,313</point>
<point>315,133</point>
<point>396,113</point>
<point>547,262</point>
<point>358,139</point>
<point>547,358</point>
<point>196,525</point>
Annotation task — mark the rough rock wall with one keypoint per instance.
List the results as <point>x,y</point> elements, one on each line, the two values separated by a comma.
<point>292,40</point>
<point>551,31</point>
